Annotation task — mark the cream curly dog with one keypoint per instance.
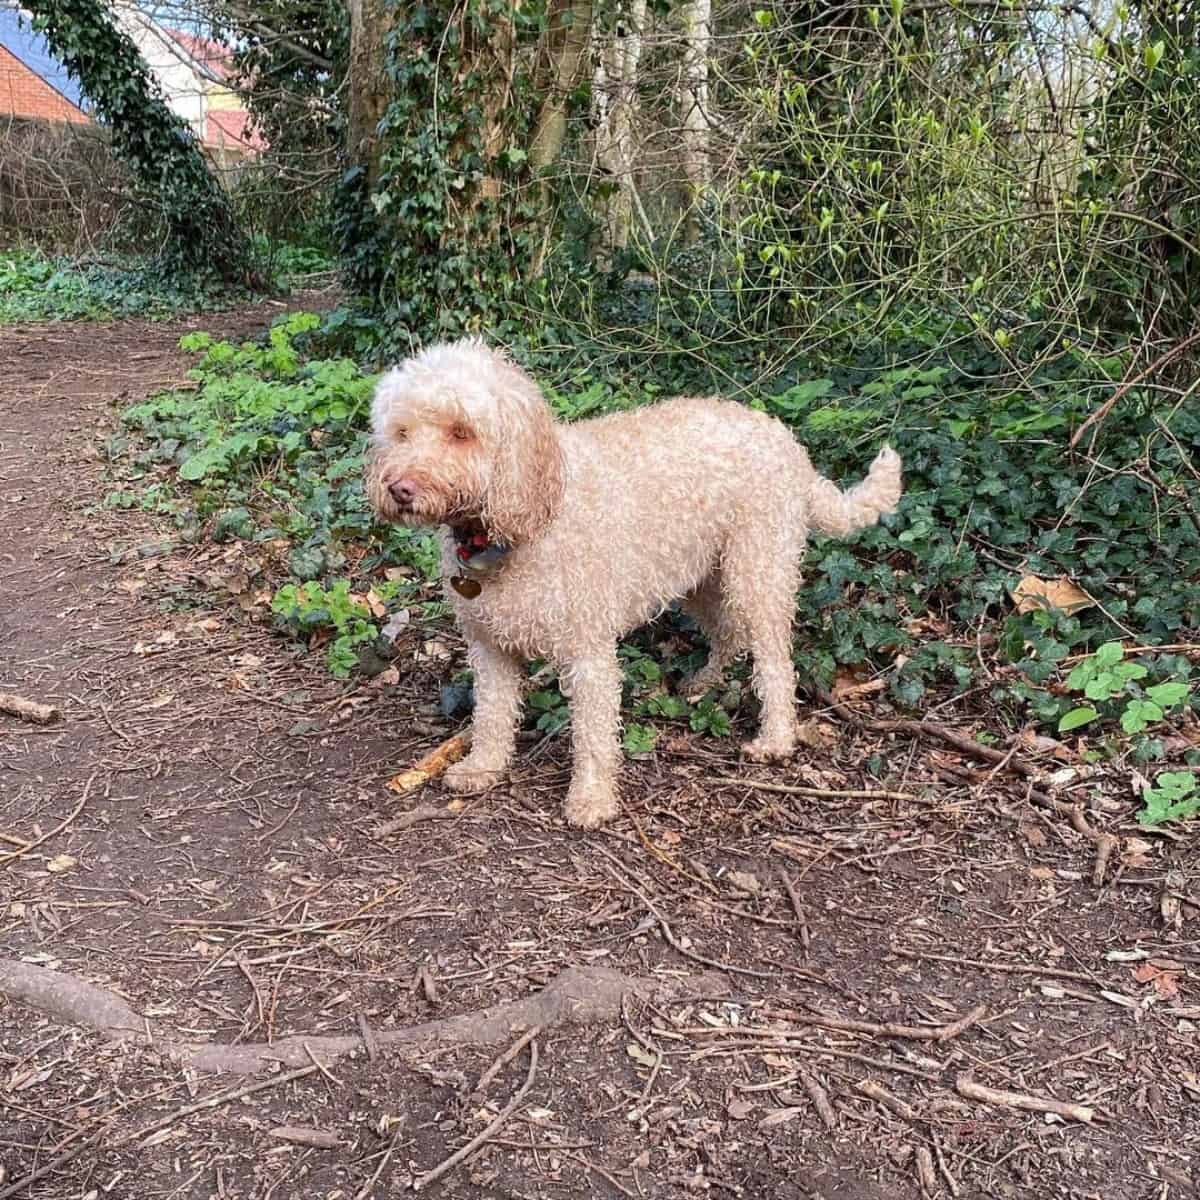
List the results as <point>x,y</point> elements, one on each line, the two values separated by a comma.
<point>558,539</point>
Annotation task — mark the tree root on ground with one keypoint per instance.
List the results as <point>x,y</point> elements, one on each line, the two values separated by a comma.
<point>578,996</point>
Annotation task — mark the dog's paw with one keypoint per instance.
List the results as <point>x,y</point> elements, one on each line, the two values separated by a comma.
<point>588,807</point>
<point>769,749</point>
<point>468,778</point>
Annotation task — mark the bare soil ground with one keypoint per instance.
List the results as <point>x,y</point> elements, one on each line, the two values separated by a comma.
<point>215,806</point>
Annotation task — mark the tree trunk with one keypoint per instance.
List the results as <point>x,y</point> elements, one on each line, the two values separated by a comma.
<point>693,105</point>
<point>616,108</point>
<point>568,35</point>
<point>565,45</point>
<point>368,83</point>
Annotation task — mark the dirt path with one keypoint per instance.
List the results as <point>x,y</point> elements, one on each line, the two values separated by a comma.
<point>223,872</point>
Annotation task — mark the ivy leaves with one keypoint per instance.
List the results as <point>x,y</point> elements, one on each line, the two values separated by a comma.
<point>203,237</point>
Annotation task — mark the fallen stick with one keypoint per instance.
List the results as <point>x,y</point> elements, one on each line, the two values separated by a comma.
<point>788,789</point>
<point>820,1099</point>
<point>478,1140</point>
<point>505,1059</point>
<point>301,1136</point>
<point>920,1033</point>
<point>365,1191</point>
<point>59,1160</point>
<point>28,710</point>
<point>19,1185</point>
<point>12,854</point>
<point>971,1090</point>
<point>797,908</point>
<point>423,812</point>
<point>213,1101</point>
<point>432,766</point>
<point>923,1159</point>
<point>882,1096</point>
<point>1006,968</point>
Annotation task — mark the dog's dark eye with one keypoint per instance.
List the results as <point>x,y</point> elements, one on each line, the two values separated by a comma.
<point>460,433</point>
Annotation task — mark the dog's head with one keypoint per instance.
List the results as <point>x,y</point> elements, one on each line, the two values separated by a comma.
<point>460,434</point>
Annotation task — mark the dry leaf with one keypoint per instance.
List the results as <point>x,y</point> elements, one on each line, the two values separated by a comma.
<point>1166,983</point>
<point>1033,593</point>
<point>1032,833</point>
<point>778,1117</point>
<point>377,606</point>
<point>744,881</point>
<point>640,1054</point>
<point>848,684</point>
<point>1137,853</point>
<point>817,735</point>
<point>60,863</point>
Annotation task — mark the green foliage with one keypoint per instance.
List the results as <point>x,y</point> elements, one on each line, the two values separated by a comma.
<point>162,153</point>
<point>551,709</point>
<point>271,434</point>
<point>310,608</point>
<point>1173,797</point>
<point>1117,688</point>
<point>34,287</point>
<point>639,739</point>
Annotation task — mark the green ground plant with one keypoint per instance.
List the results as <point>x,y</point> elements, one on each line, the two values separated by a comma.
<point>35,286</point>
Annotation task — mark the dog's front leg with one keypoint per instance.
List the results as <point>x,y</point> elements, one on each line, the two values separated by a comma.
<point>593,685</point>
<point>499,678</point>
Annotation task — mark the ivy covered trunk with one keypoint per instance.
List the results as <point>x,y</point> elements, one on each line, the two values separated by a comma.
<point>368,84</point>
<point>430,218</point>
<point>163,155</point>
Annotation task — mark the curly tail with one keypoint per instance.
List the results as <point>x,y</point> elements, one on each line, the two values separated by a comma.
<point>839,513</point>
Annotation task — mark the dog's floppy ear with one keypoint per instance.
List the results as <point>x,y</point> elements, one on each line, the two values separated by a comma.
<point>526,485</point>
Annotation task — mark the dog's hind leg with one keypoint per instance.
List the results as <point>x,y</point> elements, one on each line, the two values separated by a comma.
<point>760,574</point>
<point>707,607</point>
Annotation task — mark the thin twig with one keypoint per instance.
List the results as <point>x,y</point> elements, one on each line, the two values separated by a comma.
<point>646,1045</point>
<point>500,1063</point>
<point>670,937</point>
<point>365,1190</point>
<point>1125,386</point>
<point>59,1160</point>
<point>1007,968</point>
<point>788,789</point>
<point>494,1127</point>
<point>214,1101</point>
<point>13,854</point>
<point>797,907</point>
<point>591,1166</point>
<point>368,1038</point>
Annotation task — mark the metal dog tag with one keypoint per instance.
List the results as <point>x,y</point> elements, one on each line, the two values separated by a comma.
<point>467,588</point>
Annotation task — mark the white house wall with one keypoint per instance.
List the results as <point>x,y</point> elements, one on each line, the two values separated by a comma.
<point>183,88</point>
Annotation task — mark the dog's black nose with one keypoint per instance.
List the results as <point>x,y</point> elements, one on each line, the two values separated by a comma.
<point>404,492</point>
